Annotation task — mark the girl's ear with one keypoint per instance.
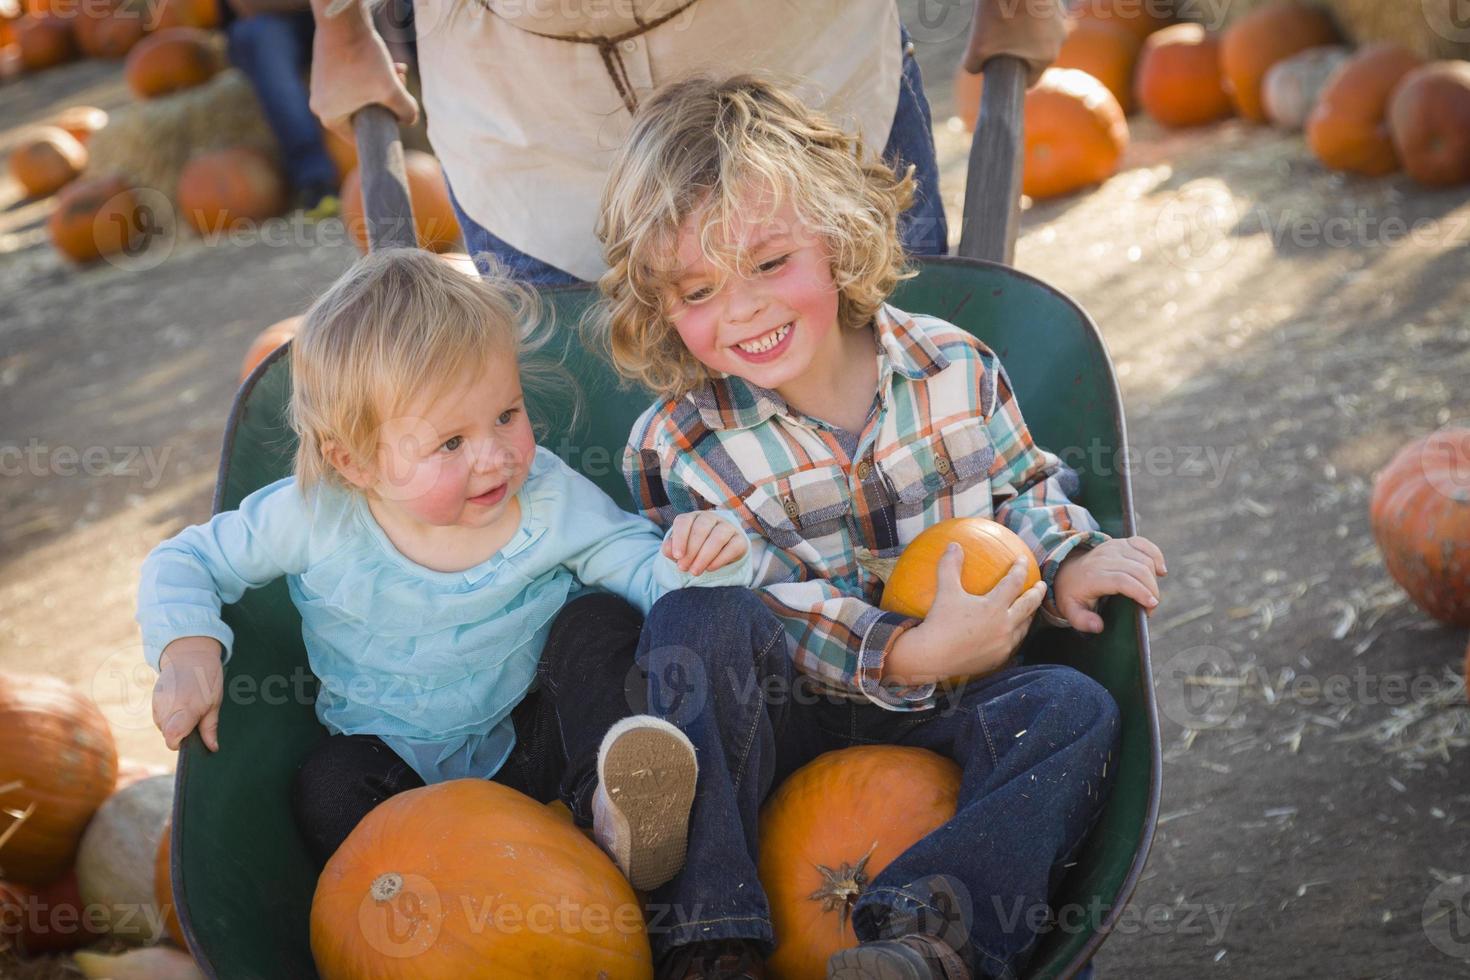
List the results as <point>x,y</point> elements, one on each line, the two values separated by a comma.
<point>341,461</point>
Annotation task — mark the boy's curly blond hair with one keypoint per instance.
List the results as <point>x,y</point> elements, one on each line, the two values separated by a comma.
<point>398,324</point>
<point>699,148</point>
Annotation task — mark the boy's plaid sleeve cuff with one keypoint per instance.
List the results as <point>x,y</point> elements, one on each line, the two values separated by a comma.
<point>1053,564</point>
<point>880,637</point>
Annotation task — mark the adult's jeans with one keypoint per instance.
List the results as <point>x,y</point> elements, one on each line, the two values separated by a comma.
<point>910,141</point>
<point>272,51</point>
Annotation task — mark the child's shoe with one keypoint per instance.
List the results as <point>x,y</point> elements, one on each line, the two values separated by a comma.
<point>646,771</point>
<point>913,957</point>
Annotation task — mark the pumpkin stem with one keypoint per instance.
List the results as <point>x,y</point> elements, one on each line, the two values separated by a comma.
<point>841,887</point>
<point>20,817</point>
<point>386,886</point>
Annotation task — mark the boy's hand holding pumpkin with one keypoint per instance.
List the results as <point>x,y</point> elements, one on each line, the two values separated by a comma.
<point>965,635</point>
<point>1121,566</point>
<point>189,690</point>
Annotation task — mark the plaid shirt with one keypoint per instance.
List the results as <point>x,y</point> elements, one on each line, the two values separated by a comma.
<point>945,439</point>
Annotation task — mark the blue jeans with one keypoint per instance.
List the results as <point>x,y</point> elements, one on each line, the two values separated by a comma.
<point>1033,745</point>
<point>272,51</point>
<point>911,141</point>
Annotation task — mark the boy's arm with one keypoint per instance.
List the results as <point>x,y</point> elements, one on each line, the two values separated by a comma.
<point>622,552</point>
<point>187,578</point>
<point>1028,498</point>
<point>837,638</point>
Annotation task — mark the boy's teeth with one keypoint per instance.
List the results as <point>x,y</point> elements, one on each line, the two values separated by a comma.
<point>761,344</point>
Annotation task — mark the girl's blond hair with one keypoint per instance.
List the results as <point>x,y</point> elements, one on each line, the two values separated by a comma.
<point>399,324</point>
<point>698,148</point>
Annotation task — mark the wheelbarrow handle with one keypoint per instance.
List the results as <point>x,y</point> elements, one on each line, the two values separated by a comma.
<point>993,182</point>
<point>385,200</point>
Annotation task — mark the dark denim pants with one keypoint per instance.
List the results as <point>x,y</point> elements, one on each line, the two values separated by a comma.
<point>272,51</point>
<point>1033,743</point>
<point>911,141</point>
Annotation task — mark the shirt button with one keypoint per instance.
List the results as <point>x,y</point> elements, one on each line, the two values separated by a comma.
<point>791,508</point>
<point>942,465</point>
<point>864,470</point>
<point>630,45</point>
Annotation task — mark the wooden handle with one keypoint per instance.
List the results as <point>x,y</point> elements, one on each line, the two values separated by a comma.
<point>385,199</point>
<point>993,183</point>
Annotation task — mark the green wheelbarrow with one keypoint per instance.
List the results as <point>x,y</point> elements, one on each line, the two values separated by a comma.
<point>242,879</point>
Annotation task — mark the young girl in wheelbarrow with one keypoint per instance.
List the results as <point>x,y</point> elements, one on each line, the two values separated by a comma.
<point>751,251</point>
<point>444,567</point>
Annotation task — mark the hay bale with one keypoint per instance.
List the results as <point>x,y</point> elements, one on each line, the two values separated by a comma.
<point>1429,28</point>
<point>151,140</point>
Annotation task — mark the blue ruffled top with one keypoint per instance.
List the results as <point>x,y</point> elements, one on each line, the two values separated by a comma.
<point>431,662</point>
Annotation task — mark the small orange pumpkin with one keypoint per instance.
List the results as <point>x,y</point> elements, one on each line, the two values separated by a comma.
<point>1349,128</point>
<point>1420,515</point>
<point>1075,134</point>
<point>79,120</point>
<point>220,189</point>
<point>265,342</point>
<point>110,30</point>
<point>1179,77</point>
<point>1105,50</point>
<point>1429,119</point>
<point>990,549</point>
<point>45,40</point>
<point>433,215</point>
<point>58,763</point>
<point>343,153</point>
<point>814,868</point>
<point>443,880</point>
<point>94,216</point>
<point>48,160</point>
<point>1259,40</point>
<point>171,60</point>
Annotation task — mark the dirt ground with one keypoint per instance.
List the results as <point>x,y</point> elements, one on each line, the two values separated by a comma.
<point>1278,332</point>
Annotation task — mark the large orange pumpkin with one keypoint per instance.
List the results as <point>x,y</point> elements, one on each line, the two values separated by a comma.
<point>1429,119</point>
<point>343,153</point>
<point>1139,17</point>
<point>815,866</point>
<point>1263,37</point>
<point>1349,128</point>
<point>1179,77</point>
<point>433,215</point>
<point>469,878</point>
<point>94,216</point>
<point>79,120</point>
<point>267,341</point>
<point>110,30</point>
<point>990,549</point>
<point>1420,514</point>
<point>184,13</point>
<point>57,764</point>
<point>45,40</point>
<point>1105,50</point>
<point>163,887</point>
<point>47,160</point>
<point>1075,134</point>
<point>220,189</point>
<point>171,60</point>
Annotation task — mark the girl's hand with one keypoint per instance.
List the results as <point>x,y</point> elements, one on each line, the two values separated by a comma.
<point>189,690</point>
<point>965,635</point>
<point>1123,566</point>
<point>701,542</point>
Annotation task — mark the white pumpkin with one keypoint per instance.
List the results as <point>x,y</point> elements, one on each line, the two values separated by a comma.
<point>158,963</point>
<point>1292,86</point>
<point>116,858</point>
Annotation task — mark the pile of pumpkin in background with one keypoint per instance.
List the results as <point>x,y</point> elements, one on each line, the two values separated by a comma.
<point>84,849</point>
<point>195,135</point>
<point>1369,111</point>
